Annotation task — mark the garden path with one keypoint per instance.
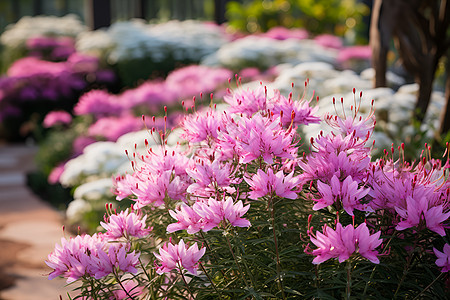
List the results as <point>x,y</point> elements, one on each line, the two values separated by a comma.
<point>29,229</point>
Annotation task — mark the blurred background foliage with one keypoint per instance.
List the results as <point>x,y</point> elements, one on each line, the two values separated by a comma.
<point>339,17</point>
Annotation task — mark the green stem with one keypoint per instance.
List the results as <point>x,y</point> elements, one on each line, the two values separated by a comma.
<point>121,285</point>
<point>428,286</point>
<point>185,282</point>
<point>368,281</point>
<point>210,280</point>
<point>235,259</point>
<point>210,251</point>
<point>349,280</point>
<point>280,281</point>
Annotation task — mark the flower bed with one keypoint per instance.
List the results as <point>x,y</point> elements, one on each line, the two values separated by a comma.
<point>238,209</point>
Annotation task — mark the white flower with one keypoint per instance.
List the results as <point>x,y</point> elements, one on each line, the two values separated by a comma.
<point>16,34</point>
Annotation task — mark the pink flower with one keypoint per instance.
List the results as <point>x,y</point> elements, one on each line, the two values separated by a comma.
<point>283,33</point>
<point>418,208</point>
<point>201,126</point>
<point>213,212</point>
<point>262,184</point>
<point>173,256</point>
<point>346,193</point>
<point>98,103</point>
<point>193,80</point>
<point>258,136</point>
<point>343,242</point>
<point>210,178</point>
<point>367,243</point>
<point>328,41</point>
<point>55,174</point>
<point>114,127</point>
<point>443,258</point>
<point>90,256</point>
<point>57,118</point>
<point>187,219</point>
<point>355,52</point>
<point>125,224</point>
<point>296,112</point>
<point>246,101</point>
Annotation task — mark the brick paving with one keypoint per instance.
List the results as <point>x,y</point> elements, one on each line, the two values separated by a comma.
<point>29,229</point>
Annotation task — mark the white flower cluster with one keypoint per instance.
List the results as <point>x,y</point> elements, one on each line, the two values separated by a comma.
<point>186,40</point>
<point>393,109</point>
<point>263,52</point>
<point>16,34</point>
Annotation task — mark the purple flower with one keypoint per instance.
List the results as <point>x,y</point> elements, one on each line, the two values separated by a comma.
<point>443,258</point>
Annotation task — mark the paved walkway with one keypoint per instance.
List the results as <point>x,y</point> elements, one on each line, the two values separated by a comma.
<point>29,229</point>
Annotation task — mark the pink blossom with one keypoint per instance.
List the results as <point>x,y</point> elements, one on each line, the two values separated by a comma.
<point>246,101</point>
<point>354,52</point>
<point>90,256</point>
<point>346,193</point>
<point>193,80</point>
<point>174,256</point>
<point>57,118</point>
<point>296,112</point>
<point>112,128</point>
<point>55,174</point>
<point>125,224</point>
<point>210,178</point>
<point>418,209</point>
<point>443,258</point>
<point>187,219</point>
<point>344,241</point>
<point>201,126</point>
<point>205,215</point>
<point>283,33</point>
<point>328,41</point>
<point>367,243</point>
<point>258,136</point>
<point>213,212</point>
<point>98,103</point>
<point>262,184</point>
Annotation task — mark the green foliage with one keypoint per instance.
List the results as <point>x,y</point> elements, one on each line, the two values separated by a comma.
<point>324,16</point>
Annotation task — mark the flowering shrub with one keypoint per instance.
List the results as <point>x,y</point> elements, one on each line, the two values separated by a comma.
<point>138,50</point>
<point>238,210</point>
<point>32,87</point>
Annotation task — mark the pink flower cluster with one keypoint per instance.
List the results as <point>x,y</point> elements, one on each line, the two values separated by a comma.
<point>177,256</point>
<point>57,118</point>
<point>344,242</point>
<point>116,115</point>
<point>205,215</point>
<point>125,224</point>
<point>90,256</point>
